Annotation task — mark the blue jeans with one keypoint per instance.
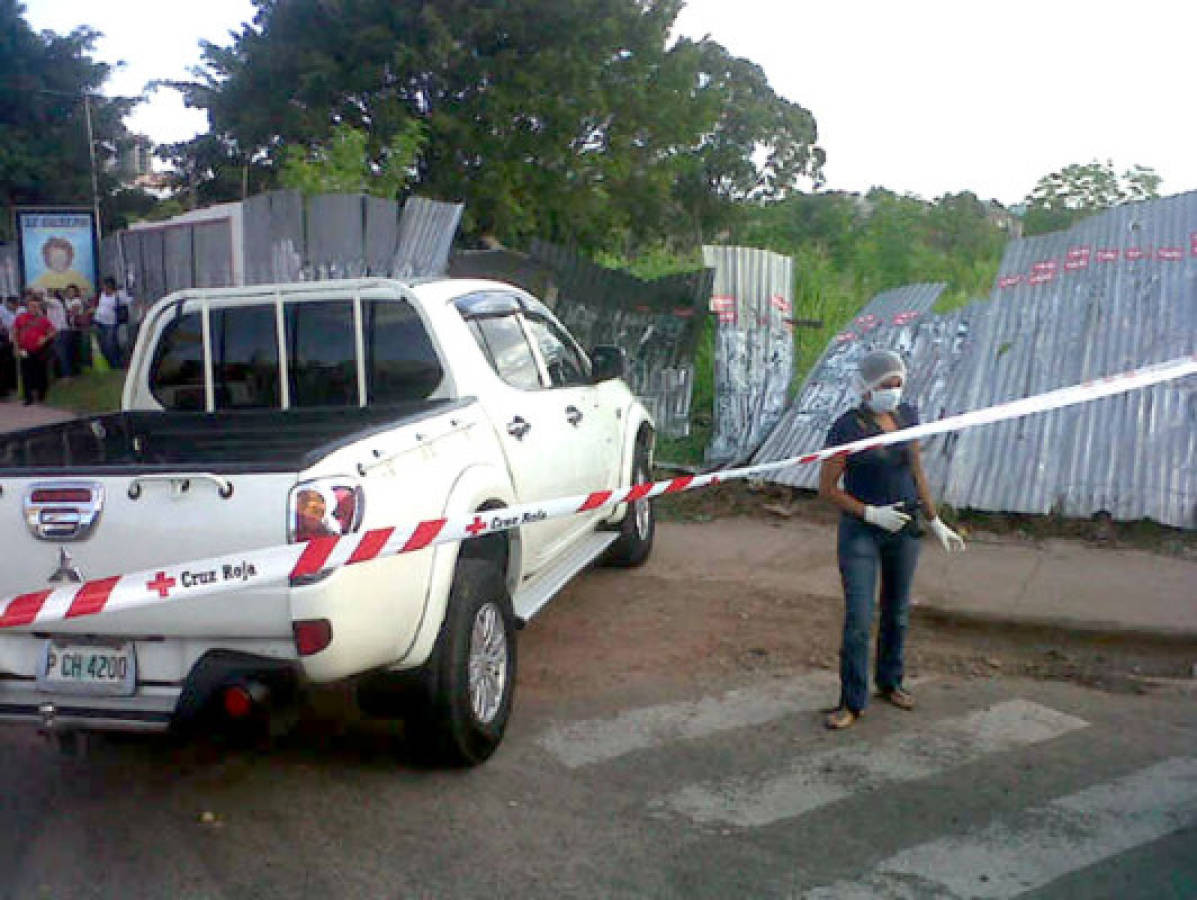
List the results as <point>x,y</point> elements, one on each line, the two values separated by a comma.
<point>110,345</point>
<point>862,550</point>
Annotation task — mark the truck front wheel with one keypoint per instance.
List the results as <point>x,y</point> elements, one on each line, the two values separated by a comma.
<point>466,688</point>
<point>635,541</point>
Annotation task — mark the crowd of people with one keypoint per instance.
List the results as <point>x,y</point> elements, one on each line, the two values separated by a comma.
<point>49,334</point>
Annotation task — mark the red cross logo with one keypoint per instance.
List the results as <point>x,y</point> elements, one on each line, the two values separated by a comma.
<point>161,584</point>
<point>476,527</point>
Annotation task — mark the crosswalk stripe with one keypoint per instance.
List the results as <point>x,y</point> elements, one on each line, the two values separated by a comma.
<point>599,740</point>
<point>1041,844</point>
<point>827,776</point>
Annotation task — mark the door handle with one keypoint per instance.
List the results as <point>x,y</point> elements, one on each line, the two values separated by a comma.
<point>573,415</point>
<point>518,427</point>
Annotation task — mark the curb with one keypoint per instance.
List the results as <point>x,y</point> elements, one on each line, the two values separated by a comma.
<point>1097,631</point>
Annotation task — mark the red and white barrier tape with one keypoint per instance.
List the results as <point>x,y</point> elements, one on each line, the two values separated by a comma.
<point>278,565</point>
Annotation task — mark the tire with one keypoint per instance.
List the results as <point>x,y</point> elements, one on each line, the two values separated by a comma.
<point>464,693</point>
<point>639,525</point>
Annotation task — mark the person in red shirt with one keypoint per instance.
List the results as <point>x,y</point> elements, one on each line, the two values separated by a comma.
<point>35,344</point>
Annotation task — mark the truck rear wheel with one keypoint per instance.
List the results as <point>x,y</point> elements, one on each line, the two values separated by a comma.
<point>639,524</point>
<point>466,688</point>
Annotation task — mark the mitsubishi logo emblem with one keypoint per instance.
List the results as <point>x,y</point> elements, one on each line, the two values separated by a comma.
<point>67,571</point>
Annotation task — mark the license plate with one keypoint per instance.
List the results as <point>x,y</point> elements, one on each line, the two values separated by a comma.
<point>70,668</point>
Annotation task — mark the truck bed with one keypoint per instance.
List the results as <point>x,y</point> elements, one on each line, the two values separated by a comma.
<point>224,442</point>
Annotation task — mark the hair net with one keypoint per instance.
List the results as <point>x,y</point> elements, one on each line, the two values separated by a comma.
<point>876,366</point>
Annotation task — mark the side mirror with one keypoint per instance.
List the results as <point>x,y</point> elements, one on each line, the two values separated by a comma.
<point>606,362</point>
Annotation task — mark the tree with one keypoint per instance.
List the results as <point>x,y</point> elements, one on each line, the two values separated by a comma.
<point>43,152</point>
<point>573,120</point>
<point>1063,197</point>
<point>343,165</point>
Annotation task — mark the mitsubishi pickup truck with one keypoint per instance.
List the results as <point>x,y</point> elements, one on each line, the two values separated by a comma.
<point>257,416</point>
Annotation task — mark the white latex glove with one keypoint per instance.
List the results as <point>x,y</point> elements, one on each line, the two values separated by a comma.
<point>889,517</point>
<point>949,539</point>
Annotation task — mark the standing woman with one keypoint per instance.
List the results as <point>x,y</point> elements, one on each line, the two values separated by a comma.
<point>35,341</point>
<point>881,490</point>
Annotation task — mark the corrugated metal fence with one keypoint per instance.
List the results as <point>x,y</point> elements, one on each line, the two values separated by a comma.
<point>752,300</point>
<point>281,236</point>
<point>1116,291</point>
<point>656,322</point>
<point>10,279</point>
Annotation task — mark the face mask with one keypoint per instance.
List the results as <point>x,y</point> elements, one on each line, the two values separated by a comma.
<point>884,400</point>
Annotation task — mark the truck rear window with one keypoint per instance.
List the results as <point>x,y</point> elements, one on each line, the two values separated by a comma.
<point>321,353</point>
<point>401,363</point>
<point>177,372</point>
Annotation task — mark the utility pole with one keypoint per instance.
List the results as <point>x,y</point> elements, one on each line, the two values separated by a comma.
<point>91,152</point>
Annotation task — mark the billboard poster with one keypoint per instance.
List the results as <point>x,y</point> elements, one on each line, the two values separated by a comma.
<point>57,248</point>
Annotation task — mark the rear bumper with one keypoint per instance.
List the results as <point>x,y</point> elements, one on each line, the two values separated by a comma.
<point>151,709</point>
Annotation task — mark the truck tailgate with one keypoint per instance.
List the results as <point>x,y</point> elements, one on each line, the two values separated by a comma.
<point>140,525</point>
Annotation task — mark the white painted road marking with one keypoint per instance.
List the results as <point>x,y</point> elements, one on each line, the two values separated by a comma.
<point>1041,844</point>
<point>598,740</point>
<point>832,775</point>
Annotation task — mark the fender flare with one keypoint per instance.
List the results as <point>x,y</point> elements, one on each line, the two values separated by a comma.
<point>477,487</point>
<point>638,421</point>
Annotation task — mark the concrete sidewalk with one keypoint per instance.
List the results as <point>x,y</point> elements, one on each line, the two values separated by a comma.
<point>14,416</point>
<point>1000,580</point>
<point>1065,584</point>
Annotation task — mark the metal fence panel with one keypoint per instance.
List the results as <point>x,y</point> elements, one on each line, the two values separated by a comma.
<point>273,236</point>
<point>213,257</point>
<point>382,235</point>
<point>426,232</point>
<point>1116,291</point>
<point>754,348</point>
<point>893,320</point>
<point>177,262</point>
<point>10,278</point>
<point>335,236</point>
<point>656,323</point>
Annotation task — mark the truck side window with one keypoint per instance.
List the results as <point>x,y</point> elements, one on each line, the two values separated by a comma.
<point>177,372</point>
<point>503,343</point>
<point>245,357</point>
<point>401,363</point>
<point>321,353</point>
<point>566,366</point>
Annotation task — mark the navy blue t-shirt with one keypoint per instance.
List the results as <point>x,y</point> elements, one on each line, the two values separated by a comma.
<point>883,475</point>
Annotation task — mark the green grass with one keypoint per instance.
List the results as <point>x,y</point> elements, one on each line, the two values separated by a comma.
<point>91,392</point>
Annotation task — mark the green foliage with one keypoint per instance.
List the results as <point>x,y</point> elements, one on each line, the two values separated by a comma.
<point>344,165</point>
<point>847,248</point>
<point>576,121</point>
<point>94,391</point>
<point>1061,198</point>
<point>43,152</point>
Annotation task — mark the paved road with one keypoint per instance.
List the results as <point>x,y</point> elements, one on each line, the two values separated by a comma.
<point>994,788</point>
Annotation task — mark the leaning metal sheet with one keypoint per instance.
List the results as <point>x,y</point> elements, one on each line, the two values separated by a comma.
<point>898,320</point>
<point>1118,287</point>
<point>754,347</point>
<point>426,232</point>
<point>656,323</point>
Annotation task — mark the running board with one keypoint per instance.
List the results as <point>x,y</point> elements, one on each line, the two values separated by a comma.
<point>544,585</point>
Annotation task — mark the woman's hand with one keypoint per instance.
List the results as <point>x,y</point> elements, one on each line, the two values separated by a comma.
<point>889,517</point>
<point>948,539</point>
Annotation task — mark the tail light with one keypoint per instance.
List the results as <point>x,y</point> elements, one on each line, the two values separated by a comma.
<point>324,507</point>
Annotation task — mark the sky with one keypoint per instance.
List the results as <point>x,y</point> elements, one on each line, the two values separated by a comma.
<point>921,96</point>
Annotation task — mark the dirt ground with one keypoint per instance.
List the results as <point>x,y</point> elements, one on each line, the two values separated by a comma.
<point>729,593</point>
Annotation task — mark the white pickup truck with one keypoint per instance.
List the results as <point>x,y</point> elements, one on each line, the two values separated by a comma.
<point>258,416</point>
